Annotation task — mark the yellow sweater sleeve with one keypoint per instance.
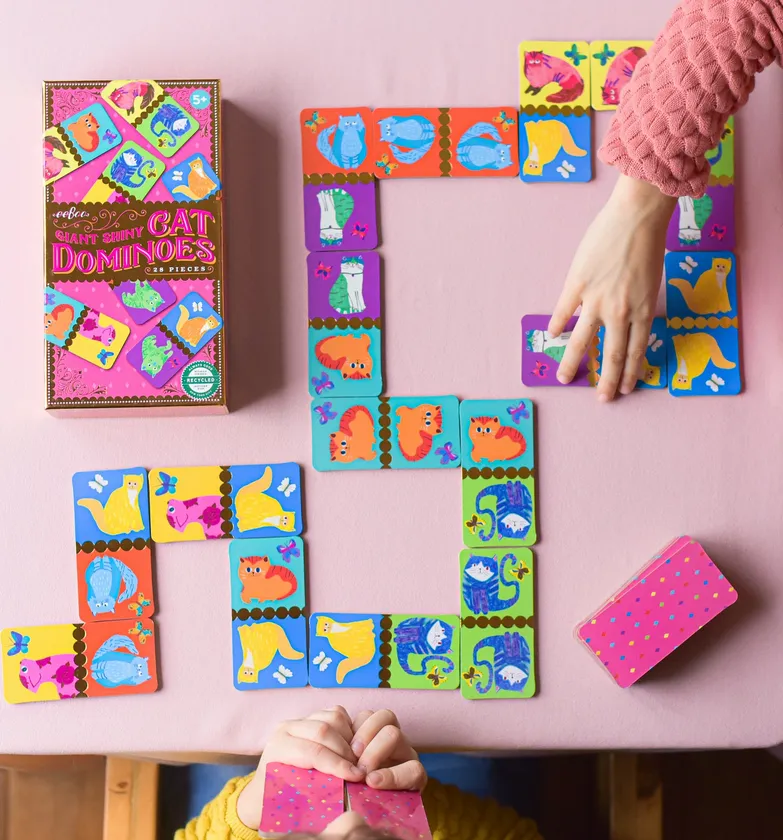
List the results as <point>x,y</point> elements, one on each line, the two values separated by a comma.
<point>452,815</point>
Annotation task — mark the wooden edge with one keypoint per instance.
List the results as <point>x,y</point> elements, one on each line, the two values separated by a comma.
<point>631,791</point>
<point>131,800</point>
<point>50,763</point>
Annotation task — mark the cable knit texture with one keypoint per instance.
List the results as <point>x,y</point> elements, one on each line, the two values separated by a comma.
<point>700,71</point>
<point>452,815</point>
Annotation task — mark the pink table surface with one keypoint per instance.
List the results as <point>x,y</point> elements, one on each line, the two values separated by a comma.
<point>464,260</point>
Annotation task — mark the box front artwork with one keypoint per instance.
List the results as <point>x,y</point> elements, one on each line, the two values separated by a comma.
<point>133,305</point>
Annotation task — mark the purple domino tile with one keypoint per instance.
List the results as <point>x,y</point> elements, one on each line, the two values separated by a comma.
<point>340,217</point>
<point>697,226</point>
<point>144,299</point>
<point>541,354</point>
<point>157,358</point>
<point>344,285</point>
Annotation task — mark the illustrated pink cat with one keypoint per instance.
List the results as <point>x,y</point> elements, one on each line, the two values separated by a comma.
<point>91,329</point>
<point>53,166</point>
<point>620,72</point>
<point>125,97</point>
<point>542,69</point>
<point>205,510</point>
<point>60,670</point>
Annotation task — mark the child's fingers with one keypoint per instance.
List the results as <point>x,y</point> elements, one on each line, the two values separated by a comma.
<point>566,306</point>
<point>637,347</point>
<point>407,776</point>
<point>367,725</point>
<point>586,327</point>
<point>337,718</point>
<point>310,755</point>
<point>614,358</point>
<point>322,735</point>
<point>389,746</point>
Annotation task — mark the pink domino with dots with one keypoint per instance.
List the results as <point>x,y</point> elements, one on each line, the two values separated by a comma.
<point>299,800</point>
<point>399,813</point>
<point>671,598</point>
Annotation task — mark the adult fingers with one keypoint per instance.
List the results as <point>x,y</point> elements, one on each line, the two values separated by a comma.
<point>586,327</point>
<point>410,775</point>
<point>372,723</point>
<point>388,747</point>
<point>310,755</point>
<point>614,357</point>
<point>337,718</point>
<point>567,304</point>
<point>634,356</point>
<point>322,735</point>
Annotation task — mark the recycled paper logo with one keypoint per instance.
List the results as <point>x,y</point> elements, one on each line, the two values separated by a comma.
<point>200,380</point>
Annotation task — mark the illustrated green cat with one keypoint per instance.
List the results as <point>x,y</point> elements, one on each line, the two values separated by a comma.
<point>143,296</point>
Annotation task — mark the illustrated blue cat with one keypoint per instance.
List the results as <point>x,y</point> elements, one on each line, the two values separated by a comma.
<point>111,504</point>
<point>498,512</point>
<point>481,148</point>
<point>344,145</point>
<point>109,582</point>
<point>118,663</point>
<point>498,666</point>
<point>266,500</point>
<point>425,432</point>
<point>350,358</point>
<point>555,149</point>
<point>92,132</point>
<point>655,369</point>
<point>346,434</point>
<point>425,652</point>
<point>194,321</point>
<point>491,580</point>
<point>498,433</point>
<point>344,650</point>
<point>269,654</point>
<point>267,573</point>
<point>409,138</point>
<point>168,127</point>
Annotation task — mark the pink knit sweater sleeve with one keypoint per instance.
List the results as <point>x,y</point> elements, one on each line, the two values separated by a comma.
<point>699,72</point>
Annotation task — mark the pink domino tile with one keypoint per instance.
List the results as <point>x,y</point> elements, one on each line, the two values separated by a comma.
<point>672,598</point>
<point>400,813</point>
<point>298,800</point>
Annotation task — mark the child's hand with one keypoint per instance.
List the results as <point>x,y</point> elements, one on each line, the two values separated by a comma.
<point>319,742</point>
<point>385,754</point>
<point>615,276</point>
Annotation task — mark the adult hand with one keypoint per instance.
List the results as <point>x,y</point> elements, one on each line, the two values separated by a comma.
<point>615,277</point>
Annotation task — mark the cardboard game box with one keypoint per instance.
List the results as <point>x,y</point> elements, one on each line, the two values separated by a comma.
<point>134,294</point>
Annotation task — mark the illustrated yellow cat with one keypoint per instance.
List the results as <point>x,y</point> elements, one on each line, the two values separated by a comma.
<point>121,513</point>
<point>355,640</point>
<point>199,183</point>
<point>545,139</point>
<point>694,352</point>
<point>260,644</point>
<point>256,509</point>
<point>709,294</point>
<point>191,329</point>
<point>651,374</point>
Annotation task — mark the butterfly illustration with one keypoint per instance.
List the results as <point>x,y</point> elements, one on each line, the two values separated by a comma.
<point>197,306</point>
<point>282,675</point>
<point>176,175</point>
<point>566,170</point>
<point>521,571</point>
<point>48,299</point>
<point>447,453</point>
<point>718,232</point>
<point>474,523</point>
<point>654,343</point>
<point>98,484</point>
<point>322,383</point>
<point>289,551</point>
<point>688,264</point>
<point>120,199</point>
<point>605,55</point>
<point>20,644</point>
<point>505,120</point>
<point>140,631</point>
<point>359,230</point>
<point>109,136</point>
<point>325,413</point>
<point>314,122</point>
<point>470,675</point>
<point>138,605</point>
<point>726,132</point>
<point>436,677</point>
<point>714,382</point>
<point>286,487</point>
<point>322,661</point>
<point>104,356</point>
<point>518,411</point>
<point>168,484</point>
<point>386,165</point>
<point>540,370</point>
<point>323,271</point>
<point>575,56</point>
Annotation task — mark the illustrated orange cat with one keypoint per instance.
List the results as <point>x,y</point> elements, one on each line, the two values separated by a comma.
<point>58,321</point>
<point>191,329</point>
<point>263,581</point>
<point>199,183</point>
<point>350,354</point>
<point>356,437</point>
<point>416,429</point>
<point>493,441</point>
<point>85,132</point>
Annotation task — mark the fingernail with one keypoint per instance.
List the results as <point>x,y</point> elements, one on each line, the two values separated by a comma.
<point>561,377</point>
<point>625,390</point>
<point>358,771</point>
<point>375,778</point>
<point>603,398</point>
<point>357,747</point>
<point>362,769</point>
